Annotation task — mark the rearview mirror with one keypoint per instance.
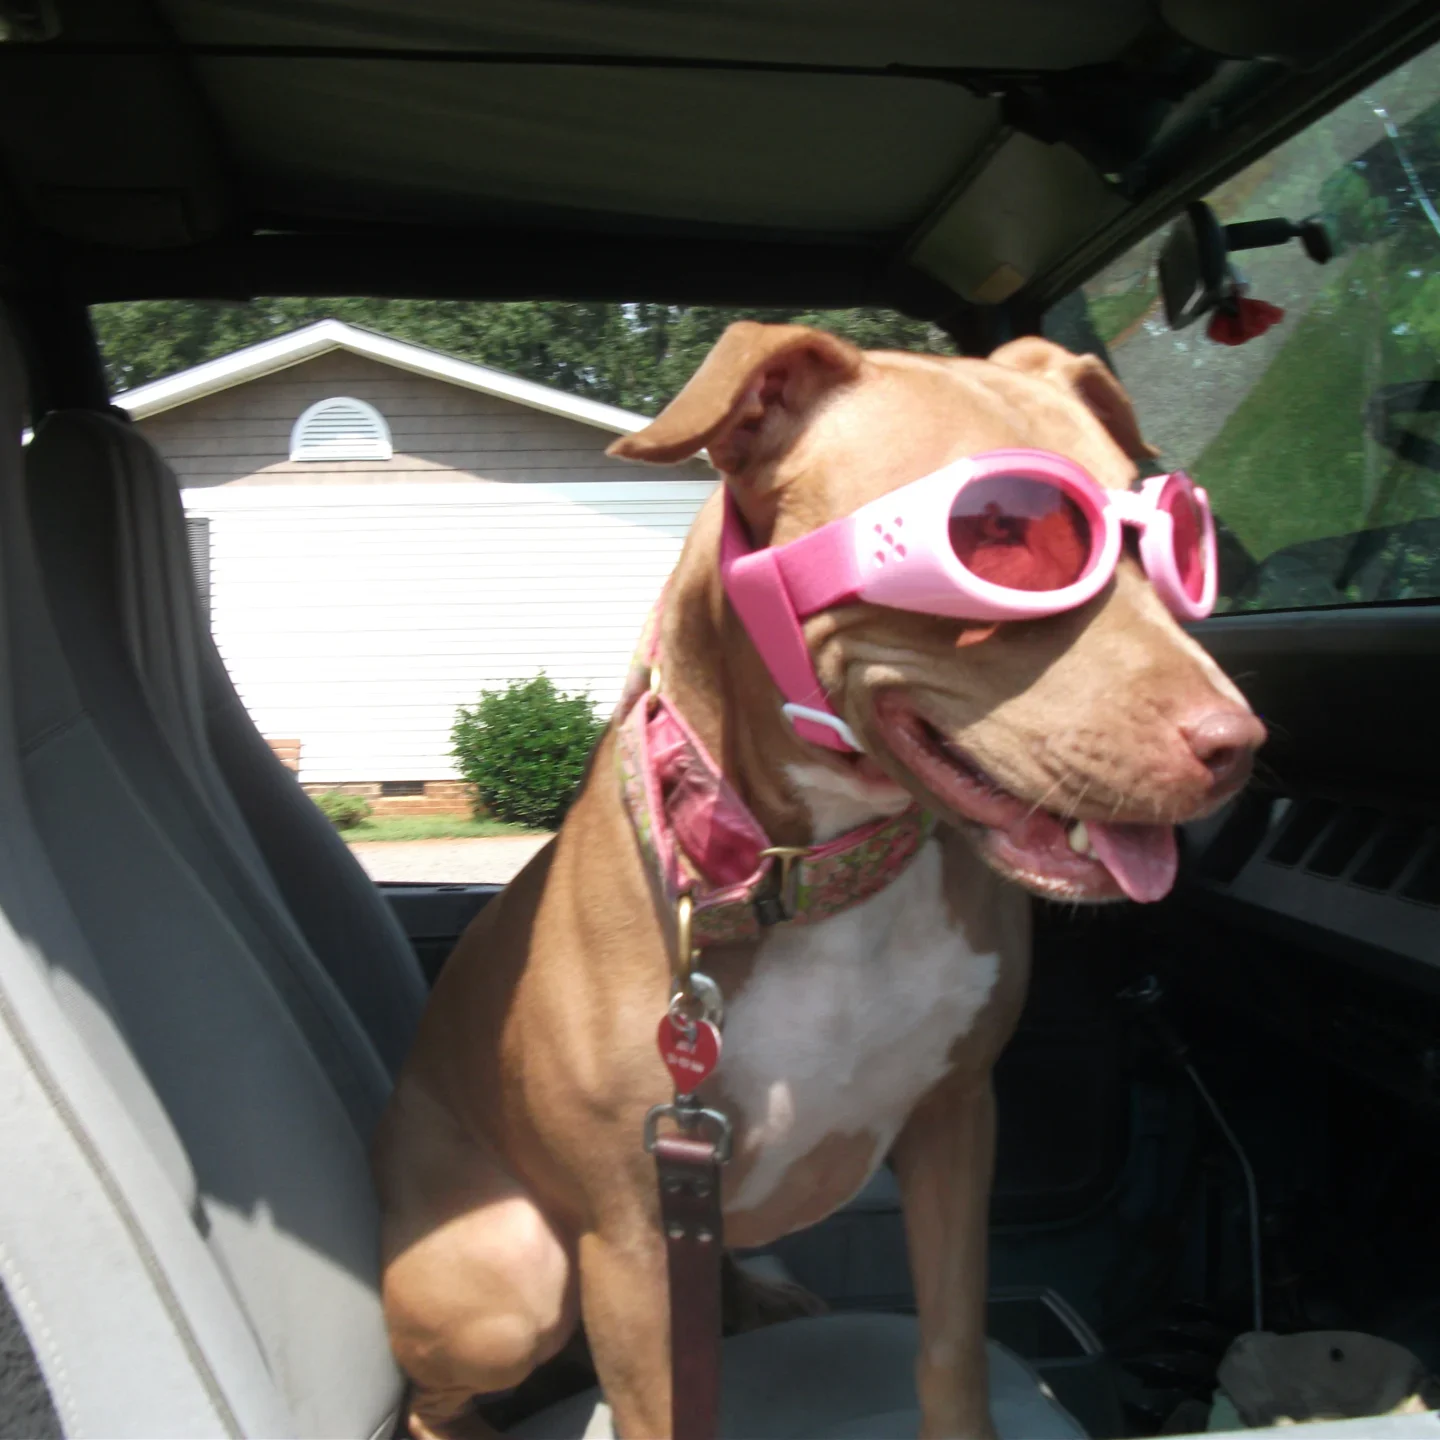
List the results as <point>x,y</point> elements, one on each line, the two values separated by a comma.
<point>1194,265</point>
<point>1194,271</point>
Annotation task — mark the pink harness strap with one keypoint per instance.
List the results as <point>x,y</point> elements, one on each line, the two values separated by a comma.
<point>703,840</point>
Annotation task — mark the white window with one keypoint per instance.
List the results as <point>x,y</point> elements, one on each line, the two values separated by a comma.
<point>341,428</point>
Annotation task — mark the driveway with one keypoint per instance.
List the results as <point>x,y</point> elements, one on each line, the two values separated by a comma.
<point>448,862</point>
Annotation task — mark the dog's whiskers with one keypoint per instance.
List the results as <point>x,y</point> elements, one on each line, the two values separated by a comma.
<point>1266,772</point>
<point>1075,804</point>
<point>1040,803</point>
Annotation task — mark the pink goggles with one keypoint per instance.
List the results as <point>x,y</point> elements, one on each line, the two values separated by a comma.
<point>1007,535</point>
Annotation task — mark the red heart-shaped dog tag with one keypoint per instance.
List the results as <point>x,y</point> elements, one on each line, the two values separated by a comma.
<point>691,1058</point>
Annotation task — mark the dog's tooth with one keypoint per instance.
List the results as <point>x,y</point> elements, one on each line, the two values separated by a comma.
<point>1079,838</point>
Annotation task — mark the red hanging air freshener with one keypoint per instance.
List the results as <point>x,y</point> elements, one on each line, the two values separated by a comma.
<point>690,1058</point>
<point>1243,321</point>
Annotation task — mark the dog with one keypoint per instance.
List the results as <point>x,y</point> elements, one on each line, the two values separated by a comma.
<point>997,754</point>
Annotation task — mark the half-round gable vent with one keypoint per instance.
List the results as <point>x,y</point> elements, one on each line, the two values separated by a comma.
<point>341,429</point>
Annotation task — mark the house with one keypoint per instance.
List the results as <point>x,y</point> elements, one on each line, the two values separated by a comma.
<point>381,532</point>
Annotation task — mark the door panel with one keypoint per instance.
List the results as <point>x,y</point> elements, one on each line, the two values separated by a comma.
<point>435,916</point>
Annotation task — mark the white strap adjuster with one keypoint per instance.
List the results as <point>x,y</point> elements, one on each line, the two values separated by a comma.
<point>830,722</point>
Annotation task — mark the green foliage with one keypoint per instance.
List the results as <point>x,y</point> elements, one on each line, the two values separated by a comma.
<point>1415,323</point>
<point>343,811</point>
<point>1351,213</point>
<point>524,749</point>
<point>633,355</point>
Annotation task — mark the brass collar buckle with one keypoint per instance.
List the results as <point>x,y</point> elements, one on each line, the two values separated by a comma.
<point>778,899</point>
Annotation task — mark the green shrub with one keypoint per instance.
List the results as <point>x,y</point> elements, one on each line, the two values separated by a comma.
<point>524,750</point>
<point>341,810</point>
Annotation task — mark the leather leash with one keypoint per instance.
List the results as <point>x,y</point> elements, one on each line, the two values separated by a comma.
<point>687,1170</point>
<point>689,1174</point>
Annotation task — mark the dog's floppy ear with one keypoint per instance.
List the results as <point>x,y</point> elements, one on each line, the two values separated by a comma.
<point>748,399</point>
<point>1088,379</point>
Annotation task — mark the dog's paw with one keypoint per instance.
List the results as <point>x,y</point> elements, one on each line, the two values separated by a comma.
<point>427,1422</point>
<point>753,1300</point>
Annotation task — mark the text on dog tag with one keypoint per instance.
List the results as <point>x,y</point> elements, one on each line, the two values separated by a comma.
<point>691,1058</point>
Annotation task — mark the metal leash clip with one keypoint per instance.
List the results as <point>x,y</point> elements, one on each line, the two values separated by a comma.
<point>690,1119</point>
<point>689,1040</point>
<point>697,998</point>
<point>692,987</point>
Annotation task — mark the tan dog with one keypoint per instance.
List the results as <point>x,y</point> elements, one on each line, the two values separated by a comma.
<point>517,1196</point>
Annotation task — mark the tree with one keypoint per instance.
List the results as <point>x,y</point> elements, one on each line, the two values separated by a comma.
<point>633,355</point>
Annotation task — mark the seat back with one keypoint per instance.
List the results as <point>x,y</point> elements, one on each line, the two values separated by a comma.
<point>174,1038</point>
<point>110,539</point>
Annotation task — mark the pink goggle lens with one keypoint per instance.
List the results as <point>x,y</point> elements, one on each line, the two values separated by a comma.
<point>1021,533</point>
<point>1190,542</point>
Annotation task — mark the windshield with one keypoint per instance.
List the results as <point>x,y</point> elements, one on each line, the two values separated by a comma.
<point>1319,441</point>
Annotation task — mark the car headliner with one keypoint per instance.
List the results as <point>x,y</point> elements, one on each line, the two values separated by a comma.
<point>928,154</point>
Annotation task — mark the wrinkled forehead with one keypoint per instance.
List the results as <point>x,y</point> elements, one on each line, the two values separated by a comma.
<point>909,415</point>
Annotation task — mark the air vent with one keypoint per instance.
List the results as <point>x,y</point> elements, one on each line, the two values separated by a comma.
<point>197,535</point>
<point>1342,841</point>
<point>1364,847</point>
<point>1239,836</point>
<point>1391,855</point>
<point>390,788</point>
<point>1395,847</point>
<point>1424,882</point>
<point>341,428</point>
<point>1301,829</point>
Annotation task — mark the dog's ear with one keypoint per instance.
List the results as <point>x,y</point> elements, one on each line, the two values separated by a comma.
<point>749,398</point>
<point>1088,379</point>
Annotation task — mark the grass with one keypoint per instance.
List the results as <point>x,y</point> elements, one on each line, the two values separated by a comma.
<point>1113,315</point>
<point>431,827</point>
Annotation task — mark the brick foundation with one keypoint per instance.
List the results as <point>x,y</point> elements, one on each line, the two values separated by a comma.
<point>287,751</point>
<point>439,797</point>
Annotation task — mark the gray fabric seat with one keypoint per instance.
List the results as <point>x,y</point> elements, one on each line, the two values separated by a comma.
<point>230,1049</point>
<point>842,1377</point>
<point>188,1233</point>
<point>110,538</point>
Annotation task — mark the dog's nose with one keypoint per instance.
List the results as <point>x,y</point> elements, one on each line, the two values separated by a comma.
<point>1224,741</point>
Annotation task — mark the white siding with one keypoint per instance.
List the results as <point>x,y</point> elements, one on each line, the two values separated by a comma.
<point>357,618</point>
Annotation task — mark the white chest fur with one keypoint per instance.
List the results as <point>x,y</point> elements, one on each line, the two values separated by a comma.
<point>845,1024</point>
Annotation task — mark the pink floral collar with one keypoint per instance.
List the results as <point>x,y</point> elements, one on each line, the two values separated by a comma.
<point>703,841</point>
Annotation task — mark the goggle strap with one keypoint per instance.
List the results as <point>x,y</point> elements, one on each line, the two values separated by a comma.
<point>820,569</point>
<point>757,591</point>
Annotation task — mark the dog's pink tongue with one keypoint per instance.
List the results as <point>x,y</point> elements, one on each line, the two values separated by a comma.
<point>1142,858</point>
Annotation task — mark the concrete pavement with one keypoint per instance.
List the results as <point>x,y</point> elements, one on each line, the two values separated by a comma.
<point>492,861</point>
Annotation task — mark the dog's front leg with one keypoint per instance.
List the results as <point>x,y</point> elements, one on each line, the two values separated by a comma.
<point>944,1159</point>
<point>624,1295</point>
